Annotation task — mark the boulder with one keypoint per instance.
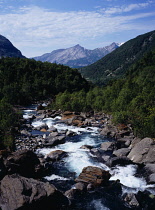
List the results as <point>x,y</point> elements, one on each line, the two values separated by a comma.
<point>52,129</point>
<point>56,155</point>
<point>80,186</point>
<point>88,147</point>
<point>150,168</point>
<point>121,152</point>
<point>109,131</point>
<point>67,115</point>
<point>90,187</point>
<point>107,146</point>
<point>143,152</point>
<point>151,178</point>
<point>134,142</point>
<point>70,133</point>
<point>72,194</point>
<point>123,142</point>
<point>94,175</point>
<point>54,141</point>
<point>118,161</point>
<point>53,134</point>
<point>23,162</point>
<point>130,198</point>
<point>44,126</point>
<point>18,192</point>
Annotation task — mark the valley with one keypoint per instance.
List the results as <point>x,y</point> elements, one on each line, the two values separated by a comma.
<point>85,136</point>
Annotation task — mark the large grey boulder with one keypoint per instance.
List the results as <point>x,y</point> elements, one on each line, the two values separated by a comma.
<point>56,155</point>
<point>53,141</point>
<point>121,152</point>
<point>107,146</point>
<point>143,152</point>
<point>150,172</point>
<point>18,192</point>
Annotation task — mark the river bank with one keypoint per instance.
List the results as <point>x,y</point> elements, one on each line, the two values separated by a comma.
<point>66,144</point>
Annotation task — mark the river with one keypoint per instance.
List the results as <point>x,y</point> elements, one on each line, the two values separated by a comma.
<point>64,172</point>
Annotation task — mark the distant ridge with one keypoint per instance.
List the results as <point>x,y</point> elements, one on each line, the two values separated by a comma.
<point>77,56</point>
<point>7,49</point>
<point>115,64</point>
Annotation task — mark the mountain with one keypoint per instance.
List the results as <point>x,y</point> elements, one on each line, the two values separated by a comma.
<point>115,64</point>
<point>7,49</point>
<point>77,56</point>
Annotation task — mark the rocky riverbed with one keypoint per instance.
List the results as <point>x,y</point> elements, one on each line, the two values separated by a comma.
<point>71,160</point>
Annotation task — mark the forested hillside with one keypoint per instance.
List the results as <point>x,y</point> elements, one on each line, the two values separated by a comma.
<point>115,64</point>
<point>129,100</point>
<point>24,81</point>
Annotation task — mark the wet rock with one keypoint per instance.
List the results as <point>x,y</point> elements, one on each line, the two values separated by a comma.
<point>56,155</point>
<point>146,200</point>
<point>72,194</point>
<point>105,157</point>
<point>151,178</point>
<point>53,134</point>
<point>94,175</point>
<point>130,198</point>
<point>143,152</point>
<point>23,162</point>
<point>81,186</point>
<point>121,152</point>
<point>43,130</point>
<point>149,170</point>
<point>22,193</point>
<point>44,126</point>
<point>88,147</point>
<point>52,129</point>
<point>90,187</point>
<point>123,161</point>
<point>70,133</point>
<point>55,141</point>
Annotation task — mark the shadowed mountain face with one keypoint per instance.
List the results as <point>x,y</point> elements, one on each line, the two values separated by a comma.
<point>76,56</point>
<point>115,64</point>
<point>7,49</point>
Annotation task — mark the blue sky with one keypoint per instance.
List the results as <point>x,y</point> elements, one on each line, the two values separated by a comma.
<point>39,26</point>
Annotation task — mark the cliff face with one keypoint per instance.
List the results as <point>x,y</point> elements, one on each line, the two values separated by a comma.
<point>7,49</point>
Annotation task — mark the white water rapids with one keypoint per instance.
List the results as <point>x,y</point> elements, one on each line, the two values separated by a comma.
<point>80,158</point>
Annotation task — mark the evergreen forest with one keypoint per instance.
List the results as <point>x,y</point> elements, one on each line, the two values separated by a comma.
<point>130,99</point>
<point>25,81</point>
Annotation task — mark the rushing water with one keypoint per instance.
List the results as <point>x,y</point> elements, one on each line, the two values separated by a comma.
<point>66,170</point>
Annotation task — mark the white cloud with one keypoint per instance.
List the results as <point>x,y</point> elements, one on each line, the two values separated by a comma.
<point>33,29</point>
<point>124,8</point>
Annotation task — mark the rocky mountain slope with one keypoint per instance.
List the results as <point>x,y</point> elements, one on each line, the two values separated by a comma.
<point>7,49</point>
<point>116,63</point>
<point>77,56</point>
